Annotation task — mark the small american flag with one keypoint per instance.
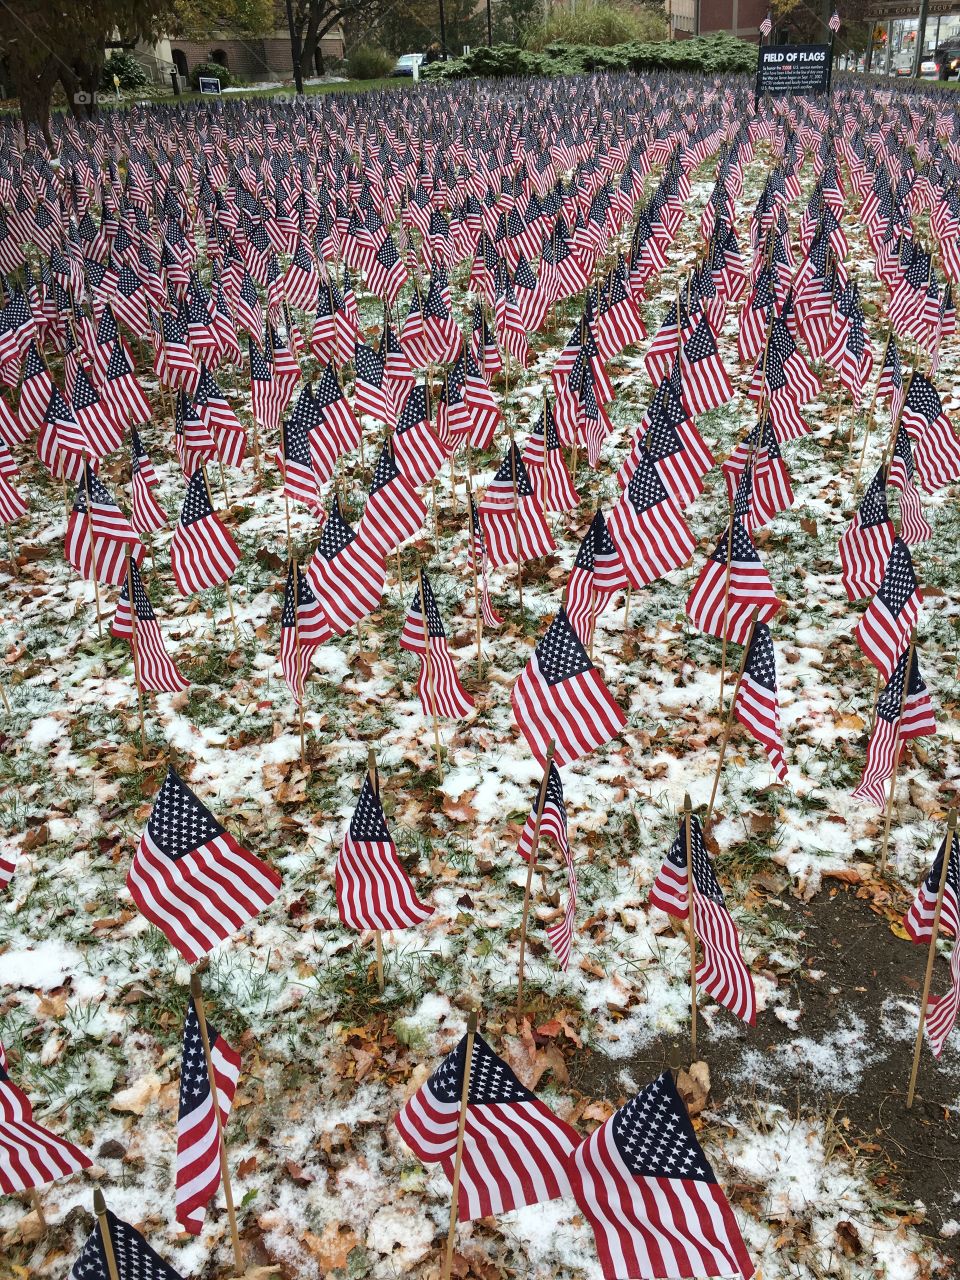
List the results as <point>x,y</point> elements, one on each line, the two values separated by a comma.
<point>598,572</point>
<point>647,1189</point>
<point>865,543</point>
<point>941,1010</point>
<point>561,695</point>
<point>296,456</point>
<point>757,705</point>
<point>914,528</point>
<point>202,552</point>
<point>438,685</point>
<point>937,449</point>
<point>553,823</point>
<point>749,588</point>
<point>154,668</point>
<point>370,394</point>
<point>99,534</point>
<point>834,23</point>
<point>722,971</point>
<point>647,526</point>
<point>515,1150</point>
<point>198,1140</point>
<point>134,1258</point>
<point>513,522</point>
<point>771,491</point>
<point>393,511</point>
<point>346,575</point>
<point>338,417</point>
<point>303,628</point>
<point>490,616</point>
<point>901,714</point>
<point>706,385</point>
<point>146,514</point>
<point>543,460</point>
<point>373,889</point>
<point>883,632</point>
<point>418,450</point>
<point>30,1154</point>
<point>191,878</point>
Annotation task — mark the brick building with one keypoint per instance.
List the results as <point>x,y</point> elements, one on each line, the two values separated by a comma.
<point>741,18</point>
<point>248,58</point>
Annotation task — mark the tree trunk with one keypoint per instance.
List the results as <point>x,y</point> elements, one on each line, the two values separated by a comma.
<point>310,45</point>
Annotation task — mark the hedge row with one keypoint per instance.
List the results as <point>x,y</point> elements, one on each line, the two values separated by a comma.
<point>710,54</point>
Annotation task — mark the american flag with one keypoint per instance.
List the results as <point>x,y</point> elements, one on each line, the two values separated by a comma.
<point>901,714</point>
<point>12,505</point>
<point>193,442</point>
<point>153,668</point>
<point>771,491</point>
<point>479,550</point>
<point>146,514</point>
<point>438,685</point>
<point>834,23</point>
<point>543,460</point>
<point>757,705</point>
<point>30,1154</point>
<point>393,511</point>
<point>515,1150</point>
<point>647,1189</point>
<point>937,449</point>
<point>553,823</point>
<point>441,334</point>
<point>647,526</point>
<point>267,398</point>
<point>865,543</point>
<point>369,389</point>
<point>121,390</point>
<point>306,457</point>
<point>561,695</point>
<point>338,417</point>
<point>883,632</point>
<point>941,1010</point>
<point>198,1140</point>
<point>914,528</point>
<point>99,534</point>
<point>218,417</point>
<point>386,274</point>
<point>134,1258</point>
<point>918,921</point>
<point>513,522</point>
<point>766,26</point>
<point>722,971</point>
<point>345,575</point>
<point>891,385</point>
<point>705,382</point>
<point>373,889</point>
<point>749,587</point>
<point>62,434</point>
<point>203,552</point>
<point>191,878</point>
<point>36,389</point>
<point>598,571</point>
<point>418,451</point>
<point>303,628</point>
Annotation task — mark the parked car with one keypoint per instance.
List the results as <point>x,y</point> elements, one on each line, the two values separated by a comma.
<point>947,59</point>
<point>929,69</point>
<point>406,63</point>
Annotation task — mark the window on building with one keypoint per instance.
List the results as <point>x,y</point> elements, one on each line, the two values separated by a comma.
<point>219,55</point>
<point>180,61</point>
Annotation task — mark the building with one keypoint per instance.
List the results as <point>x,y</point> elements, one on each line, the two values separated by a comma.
<point>741,18</point>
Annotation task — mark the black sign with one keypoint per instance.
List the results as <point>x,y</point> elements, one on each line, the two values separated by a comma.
<point>794,68</point>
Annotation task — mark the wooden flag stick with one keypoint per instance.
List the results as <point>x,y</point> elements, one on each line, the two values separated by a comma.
<point>10,551</point>
<point>429,665</point>
<point>375,785</point>
<point>729,724</point>
<point>458,1158</point>
<point>135,652</point>
<point>103,1225</point>
<point>931,955</point>
<point>196,991</point>
<point>516,517</point>
<point>300,674</point>
<point>38,1208</point>
<point>233,616</point>
<point>93,546</point>
<point>531,866</point>
<point>691,927</point>
<point>5,700</point>
<point>898,753</point>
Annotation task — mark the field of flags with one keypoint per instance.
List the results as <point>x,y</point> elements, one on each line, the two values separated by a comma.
<point>467,552</point>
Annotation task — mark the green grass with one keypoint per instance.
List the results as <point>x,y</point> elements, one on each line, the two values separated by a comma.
<point>345,86</point>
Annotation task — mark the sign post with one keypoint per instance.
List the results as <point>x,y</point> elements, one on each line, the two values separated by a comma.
<point>794,68</point>
<point>209,84</point>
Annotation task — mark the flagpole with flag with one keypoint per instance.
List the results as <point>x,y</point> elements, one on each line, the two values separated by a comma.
<point>898,753</point>
<point>458,1158</point>
<point>103,1225</point>
<point>531,866</point>
<point>932,952</point>
<point>375,787</point>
